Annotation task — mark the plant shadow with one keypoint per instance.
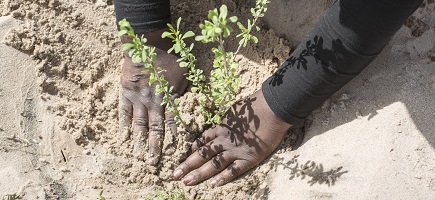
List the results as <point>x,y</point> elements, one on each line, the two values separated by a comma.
<point>314,172</point>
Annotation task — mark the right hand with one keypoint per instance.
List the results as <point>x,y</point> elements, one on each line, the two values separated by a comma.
<point>141,115</point>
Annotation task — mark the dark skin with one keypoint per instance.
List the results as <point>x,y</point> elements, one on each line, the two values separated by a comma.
<point>241,142</point>
<point>244,139</point>
<point>140,108</point>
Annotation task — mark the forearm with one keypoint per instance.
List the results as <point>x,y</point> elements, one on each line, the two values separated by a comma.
<point>343,43</point>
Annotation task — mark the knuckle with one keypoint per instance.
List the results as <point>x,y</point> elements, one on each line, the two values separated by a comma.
<point>200,141</point>
<point>171,122</point>
<point>141,122</point>
<point>217,161</point>
<point>202,152</point>
<point>250,153</point>
<point>234,171</point>
<point>157,124</point>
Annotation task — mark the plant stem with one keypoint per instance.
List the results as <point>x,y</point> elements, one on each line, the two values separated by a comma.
<point>224,53</point>
<point>166,93</point>
<point>253,25</point>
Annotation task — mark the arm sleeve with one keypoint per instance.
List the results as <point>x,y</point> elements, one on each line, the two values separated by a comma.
<point>144,15</point>
<point>345,41</point>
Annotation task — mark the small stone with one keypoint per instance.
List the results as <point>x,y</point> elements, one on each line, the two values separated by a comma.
<point>86,152</point>
<point>64,169</point>
<point>43,160</point>
<point>344,97</point>
<point>16,14</point>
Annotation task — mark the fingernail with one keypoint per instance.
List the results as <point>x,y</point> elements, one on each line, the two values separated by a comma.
<point>187,180</point>
<point>178,173</point>
<point>212,183</point>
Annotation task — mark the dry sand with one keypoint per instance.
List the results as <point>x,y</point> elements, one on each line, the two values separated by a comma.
<point>374,139</point>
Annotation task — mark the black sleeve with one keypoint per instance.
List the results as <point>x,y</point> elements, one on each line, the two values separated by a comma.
<point>346,40</point>
<point>144,15</point>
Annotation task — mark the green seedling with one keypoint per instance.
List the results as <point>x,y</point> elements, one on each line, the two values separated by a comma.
<point>219,91</point>
<point>141,53</point>
<point>101,197</point>
<point>12,197</point>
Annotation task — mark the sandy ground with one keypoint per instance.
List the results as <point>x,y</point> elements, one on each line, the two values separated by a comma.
<point>374,139</point>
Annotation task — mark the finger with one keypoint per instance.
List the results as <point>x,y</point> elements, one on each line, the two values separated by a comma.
<point>206,137</point>
<point>233,171</point>
<point>170,122</point>
<point>125,117</point>
<point>140,129</point>
<point>170,117</point>
<point>156,134</point>
<point>209,169</point>
<point>199,157</point>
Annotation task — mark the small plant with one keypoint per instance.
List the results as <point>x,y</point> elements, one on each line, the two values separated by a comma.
<point>12,197</point>
<point>101,197</point>
<point>218,93</point>
<point>162,195</point>
<point>139,52</point>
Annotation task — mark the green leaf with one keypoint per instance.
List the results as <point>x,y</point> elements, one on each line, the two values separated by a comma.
<point>170,26</point>
<point>217,119</point>
<point>144,55</point>
<point>233,19</point>
<point>254,39</point>
<point>126,46</point>
<point>158,89</point>
<point>171,49</point>
<point>218,30</point>
<point>184,64</point>
<point>122,32</point>
<point>258,28</point>
<point>199,38</point>
<point>153,79</point>
<point>177,48</point>
<point>178,23</point>
<point>124,23</point>
<point>188,35</point>
<point>253,12</point>
<point>177,101</point>
<point>131,52</point>
<point>163,80</point>
<point>223,12</point>
<point>194,89</point>
<point>241,41</point>
<point>241,27</point>
<point>167,35</point>
<point>135,59</point>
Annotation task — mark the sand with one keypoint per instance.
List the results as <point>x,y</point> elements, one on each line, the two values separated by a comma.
<point>373,139</point>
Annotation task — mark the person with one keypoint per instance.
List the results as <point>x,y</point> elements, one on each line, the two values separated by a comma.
<point>344,42</point>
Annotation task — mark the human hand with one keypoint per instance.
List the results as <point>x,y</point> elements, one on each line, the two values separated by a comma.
<point>141,115</point>
<point>241,142</point>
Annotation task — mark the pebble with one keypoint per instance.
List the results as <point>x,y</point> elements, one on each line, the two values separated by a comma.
<point>86,152</point>
<point>64,169</point>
